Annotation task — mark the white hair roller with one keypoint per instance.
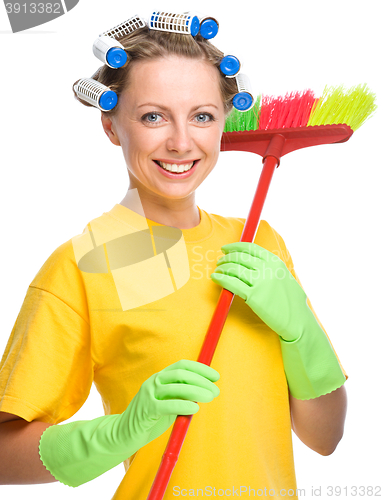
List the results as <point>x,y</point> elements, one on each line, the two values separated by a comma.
<point>132,24</point>
<point>244,100</point>
<point>185,24</point>
<point>110,51</point>
<point>96,94</point>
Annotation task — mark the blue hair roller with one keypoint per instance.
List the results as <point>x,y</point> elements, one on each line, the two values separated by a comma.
<point>208,28</point>
<point>95,93</point>
<point>108,100</point>
<point>116,57</point>
<point>244,99</point>
<point>110,51</point>
<point>230,66</point>
<point>194,25</point>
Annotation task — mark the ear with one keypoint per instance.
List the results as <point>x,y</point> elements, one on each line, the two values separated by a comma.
<point>109,129</point>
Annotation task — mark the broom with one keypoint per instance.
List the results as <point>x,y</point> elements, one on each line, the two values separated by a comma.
<point>273,127</point>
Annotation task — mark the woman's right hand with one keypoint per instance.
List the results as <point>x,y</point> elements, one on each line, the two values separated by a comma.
<point>173,391</point>
<point>80,451</point>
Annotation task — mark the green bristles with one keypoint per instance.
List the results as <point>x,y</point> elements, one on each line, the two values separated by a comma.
<point>247,120</point>
<point>337,105</point>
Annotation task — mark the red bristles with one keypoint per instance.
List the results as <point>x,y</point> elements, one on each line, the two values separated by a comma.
<point>290,111</point>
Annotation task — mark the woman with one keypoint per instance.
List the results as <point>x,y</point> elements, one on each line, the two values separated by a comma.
<point>127,303</point>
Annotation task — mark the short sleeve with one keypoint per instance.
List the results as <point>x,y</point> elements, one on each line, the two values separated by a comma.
<point>46,371</point>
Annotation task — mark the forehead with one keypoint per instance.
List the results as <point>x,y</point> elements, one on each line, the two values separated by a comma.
<point>174,78</point>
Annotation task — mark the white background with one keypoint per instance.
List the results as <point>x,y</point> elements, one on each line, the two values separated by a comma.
<point>59,171</point>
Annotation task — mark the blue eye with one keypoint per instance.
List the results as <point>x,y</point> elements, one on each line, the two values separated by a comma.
<point>204,117</point>
<point>151,117</point>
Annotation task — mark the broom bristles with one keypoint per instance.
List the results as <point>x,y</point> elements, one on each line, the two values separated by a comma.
<point>290,111</point>
<point>337,105</point>
<point>247,120</point>
<point>301,109</point>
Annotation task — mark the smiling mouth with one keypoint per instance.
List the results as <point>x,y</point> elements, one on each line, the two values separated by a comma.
<point>174,168</point>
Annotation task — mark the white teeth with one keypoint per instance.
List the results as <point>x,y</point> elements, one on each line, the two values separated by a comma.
<point>176,168</point>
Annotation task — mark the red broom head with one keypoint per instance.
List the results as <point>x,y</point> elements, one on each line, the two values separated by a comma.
<point>300,119</point>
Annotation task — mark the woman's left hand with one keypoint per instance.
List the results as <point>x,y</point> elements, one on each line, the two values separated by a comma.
<point>267,286</point>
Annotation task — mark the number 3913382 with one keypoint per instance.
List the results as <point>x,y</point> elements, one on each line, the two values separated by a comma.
<point>33,8</point>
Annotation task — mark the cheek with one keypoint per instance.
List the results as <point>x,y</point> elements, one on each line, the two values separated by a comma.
<point>134,142</point>
<point>143,139</point>
<point>211,141</point>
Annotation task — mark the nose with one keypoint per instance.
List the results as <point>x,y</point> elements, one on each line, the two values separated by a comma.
<point>180,138</point>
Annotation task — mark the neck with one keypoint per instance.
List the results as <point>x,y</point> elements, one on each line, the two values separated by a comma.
<point>182,213</point>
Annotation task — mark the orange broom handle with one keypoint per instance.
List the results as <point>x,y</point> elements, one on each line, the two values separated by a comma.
<point>182,422</point>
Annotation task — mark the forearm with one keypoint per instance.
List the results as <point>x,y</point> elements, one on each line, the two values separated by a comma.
<point>319,422</point>
<point>19,458</point>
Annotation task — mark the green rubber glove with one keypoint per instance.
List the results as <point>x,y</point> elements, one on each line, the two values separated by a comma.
<point>271,291</point>
<point>78,452</point>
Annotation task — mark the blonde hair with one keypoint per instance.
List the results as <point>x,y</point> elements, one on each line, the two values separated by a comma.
<point>151,44</point>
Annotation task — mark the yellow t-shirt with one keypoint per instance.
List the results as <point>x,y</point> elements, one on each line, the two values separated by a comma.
<point>122,301</point>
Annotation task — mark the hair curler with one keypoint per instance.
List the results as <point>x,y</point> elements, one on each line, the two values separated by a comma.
<point>208,27</point>
<point>132,24</point>
<point>96,94</point>
<point>244,100</point>
<point>230,66</point>
<point>185,24</point>
<point>110,51</point>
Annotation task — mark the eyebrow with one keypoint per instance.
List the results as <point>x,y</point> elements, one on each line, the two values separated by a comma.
<point>168,109</point>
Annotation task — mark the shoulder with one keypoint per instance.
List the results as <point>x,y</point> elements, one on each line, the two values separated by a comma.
<point>60,258</point>
<point>59,274</point>
<point>63,261</point>
<point>266,236</point>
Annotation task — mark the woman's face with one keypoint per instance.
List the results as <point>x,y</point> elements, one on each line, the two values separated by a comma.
<point>171,115</point>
